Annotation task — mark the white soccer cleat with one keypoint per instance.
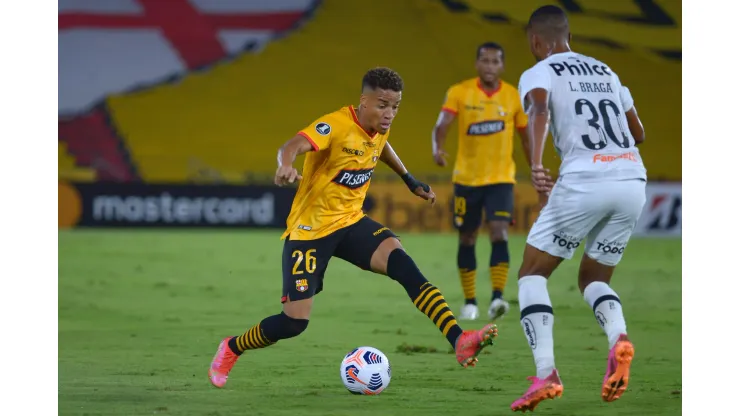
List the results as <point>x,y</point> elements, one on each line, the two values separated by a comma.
<point>499,308</point>
<point>469,312</point>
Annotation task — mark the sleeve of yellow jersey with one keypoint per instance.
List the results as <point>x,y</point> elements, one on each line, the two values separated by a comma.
<point>452,101</point>
<point>319,133</point>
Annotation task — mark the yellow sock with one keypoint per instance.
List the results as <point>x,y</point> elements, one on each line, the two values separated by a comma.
<point>499,274</point>
<point>432,304</point>
<point>467,280</point>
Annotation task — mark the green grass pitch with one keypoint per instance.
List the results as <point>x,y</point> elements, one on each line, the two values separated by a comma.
<point>141,314</point>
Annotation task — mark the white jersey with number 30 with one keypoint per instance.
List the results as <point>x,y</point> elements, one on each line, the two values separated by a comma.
<point>588,121</point>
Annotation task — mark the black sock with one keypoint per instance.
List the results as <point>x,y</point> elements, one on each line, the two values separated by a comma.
<point>466,266</point>
<point>426,297</point>
<point>269,331</point>
<point>499,267</point>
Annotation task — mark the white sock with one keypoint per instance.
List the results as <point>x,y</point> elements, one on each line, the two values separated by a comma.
<point>607,309</point>
<point>537,320</point>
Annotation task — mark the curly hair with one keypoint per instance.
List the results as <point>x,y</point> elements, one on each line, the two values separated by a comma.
<point>489,45</point>
<point>383,78</point>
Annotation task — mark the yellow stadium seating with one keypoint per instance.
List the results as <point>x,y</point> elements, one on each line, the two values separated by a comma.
<point>68,169</point>
<point>233,117</point>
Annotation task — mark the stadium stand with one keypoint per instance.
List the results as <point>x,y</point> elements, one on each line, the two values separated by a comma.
<point>68,169</point>
<point>226,121</point>
<point>95,146</point>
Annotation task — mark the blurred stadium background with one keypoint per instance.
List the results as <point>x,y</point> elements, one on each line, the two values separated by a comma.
<point>195,92</point>
<point>171,113</point>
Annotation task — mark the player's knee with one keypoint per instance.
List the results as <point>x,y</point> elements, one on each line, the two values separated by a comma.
<point>381,257</point>
<point>538,263</point>
<point>534,268</point>
<point>467,238</point>
<point>389,245</point>
<point>593,271</point>
<point>401,268</point>
<point>497,231</point>
<point>292,327</point>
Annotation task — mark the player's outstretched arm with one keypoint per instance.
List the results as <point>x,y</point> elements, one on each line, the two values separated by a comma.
<point>539,118</point>
<point>521,121</point>
<point>635,126</point>
<point>390,158</point>
<point>526,143</point>
<point>287,154</point>
<point>439,135</point>
<point>633,120</point>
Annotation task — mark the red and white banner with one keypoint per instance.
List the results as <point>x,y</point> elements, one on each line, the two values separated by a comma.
<point>661,216</point>
<point>113,46</point>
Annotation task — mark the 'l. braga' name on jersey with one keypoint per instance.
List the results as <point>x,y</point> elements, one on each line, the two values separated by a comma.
<point>590,86</point>
<point>577,68</point>
<point>353,179</point>
<point>484,128</point>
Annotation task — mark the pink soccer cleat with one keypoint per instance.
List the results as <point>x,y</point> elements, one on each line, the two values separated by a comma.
<point>470,343</point>
<point>541,389</point>
<point>222,364</point>
<point>618,369</point>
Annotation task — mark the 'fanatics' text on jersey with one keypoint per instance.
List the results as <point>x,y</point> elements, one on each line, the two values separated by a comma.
<point>486,122</point>
<point>588,106</point>
<point>336,175</point>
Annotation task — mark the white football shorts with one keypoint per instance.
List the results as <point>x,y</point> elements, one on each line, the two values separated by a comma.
<point>605,213</point>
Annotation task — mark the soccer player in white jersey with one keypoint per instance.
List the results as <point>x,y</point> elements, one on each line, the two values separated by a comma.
<point>596,201</point>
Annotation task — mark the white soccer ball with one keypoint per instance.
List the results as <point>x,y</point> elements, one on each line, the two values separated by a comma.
<point>365,370</point>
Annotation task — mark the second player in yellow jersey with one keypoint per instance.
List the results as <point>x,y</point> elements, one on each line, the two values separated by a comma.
<point>326,220</point>
<point>488,111</point>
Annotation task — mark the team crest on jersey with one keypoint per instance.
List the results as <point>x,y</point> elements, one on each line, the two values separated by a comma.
<point>501,111</point>
<point>375,155</point>
<point>484,128</point>
<point>323,129</point>
<point>301,285</point>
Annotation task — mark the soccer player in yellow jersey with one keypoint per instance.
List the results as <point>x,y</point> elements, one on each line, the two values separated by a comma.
<point>487,111</point>
<point>326,220</point>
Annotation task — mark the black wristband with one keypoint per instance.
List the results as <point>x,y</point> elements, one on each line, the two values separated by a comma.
<point>413,183</point>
